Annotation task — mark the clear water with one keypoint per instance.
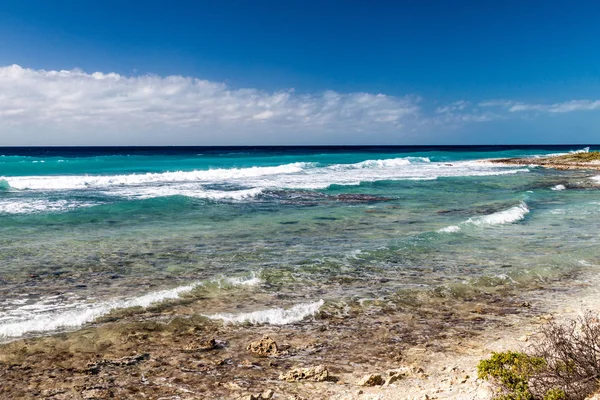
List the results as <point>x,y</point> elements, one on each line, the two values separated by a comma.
<point>87,230</point>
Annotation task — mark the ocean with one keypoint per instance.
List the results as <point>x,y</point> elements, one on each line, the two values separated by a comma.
<point>274,235</point>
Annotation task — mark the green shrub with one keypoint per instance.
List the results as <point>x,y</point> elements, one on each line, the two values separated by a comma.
<point>511,371</point>
<point>555,394</point>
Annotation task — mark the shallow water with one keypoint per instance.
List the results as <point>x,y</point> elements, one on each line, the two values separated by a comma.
<point>85,231</point>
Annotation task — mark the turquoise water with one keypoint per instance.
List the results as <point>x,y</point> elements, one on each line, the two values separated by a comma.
<point>84,231</point>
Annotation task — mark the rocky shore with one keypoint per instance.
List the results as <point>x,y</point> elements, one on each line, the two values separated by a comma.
<point>427,348</point>
<point>583,160</point>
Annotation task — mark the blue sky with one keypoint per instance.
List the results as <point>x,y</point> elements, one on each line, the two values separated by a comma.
<point>299,72</point>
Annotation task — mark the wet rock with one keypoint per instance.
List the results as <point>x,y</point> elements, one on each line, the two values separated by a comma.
<point>266,395</point>
<point>371,380</point>
<point>95,367</point>
<point>264,347</point>
<point>204,345</point>
<point>314,374</point>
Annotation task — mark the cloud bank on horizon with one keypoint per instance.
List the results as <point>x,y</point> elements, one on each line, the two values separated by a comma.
<point>72,107</point>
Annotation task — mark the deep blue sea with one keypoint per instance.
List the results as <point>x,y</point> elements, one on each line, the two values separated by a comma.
<point>276,233</point>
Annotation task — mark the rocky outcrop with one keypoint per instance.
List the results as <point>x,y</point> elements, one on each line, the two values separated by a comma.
<point>313,374</point>
<point>589,160</point>
<point>264,347</point>
<point>371,380</point>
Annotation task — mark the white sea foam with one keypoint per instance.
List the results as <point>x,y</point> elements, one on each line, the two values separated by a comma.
<point>287,176</point>
<point>449,229</point>
<point>41,318</point>
<point>45,316</point>
<point>511,215</point>
<point>31,206</point>
<point>389,163</point>
<point>188,190</point>
<point>559,187</point>
<point>237,184</point>
<point>272,316</point>
<point>252,280</point>
<point>584,150</point>
<point>67,182</point>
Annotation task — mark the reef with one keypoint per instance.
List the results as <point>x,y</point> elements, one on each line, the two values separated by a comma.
<point>581,160</point>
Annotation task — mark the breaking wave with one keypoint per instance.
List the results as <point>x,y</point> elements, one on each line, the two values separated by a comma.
<point>288,176</point>
<point>584,150</point>
<point>32,206</point>
<point>67,182</point>
<point>40,317</point>
<point>509,216</point>
<point>272,316</point>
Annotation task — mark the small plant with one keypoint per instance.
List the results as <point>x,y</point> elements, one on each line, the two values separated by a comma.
<point>511,371</point>
<point>564,364</point>
<point>555,394</point>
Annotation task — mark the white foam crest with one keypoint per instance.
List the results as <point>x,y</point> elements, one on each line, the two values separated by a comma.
<point>47,316</point>
<point>193,190</point>
<point>287,176</point>
<point>449,229</point>
<point>272,316</point>
<point>559,187</point>
<point>42,318</point>
<point>252,280</point>
<point>584,150</point>
<point>511,215</point>
<point>247,183</point>
<point>387,163</point>
<point>66,182</point>
<point>31,206</point>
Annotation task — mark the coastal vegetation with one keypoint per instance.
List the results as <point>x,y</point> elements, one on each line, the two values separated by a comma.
<point>580,157</point>
<point>564,364</point>
<point>576,160</point>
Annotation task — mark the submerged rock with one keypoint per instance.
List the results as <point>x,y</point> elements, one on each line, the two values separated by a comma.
<point>314,374</point>
<point>360,198</point>
<point>264,347</point>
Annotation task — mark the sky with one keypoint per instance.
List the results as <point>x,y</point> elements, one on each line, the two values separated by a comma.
<point>299,72</point>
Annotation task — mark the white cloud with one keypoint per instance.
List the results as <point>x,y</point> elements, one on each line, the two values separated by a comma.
<point>72,107</point>
<point>460,105</point>
<point>568,106</point>
<point>75,103</point>
<point>564,107</point>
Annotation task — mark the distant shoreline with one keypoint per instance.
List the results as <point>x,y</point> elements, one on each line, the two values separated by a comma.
<point>580,160</point>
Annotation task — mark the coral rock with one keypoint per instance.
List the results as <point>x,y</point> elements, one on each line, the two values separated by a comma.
<point>264,347</point>
<point>315,374</point>
<point>371,380</point>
